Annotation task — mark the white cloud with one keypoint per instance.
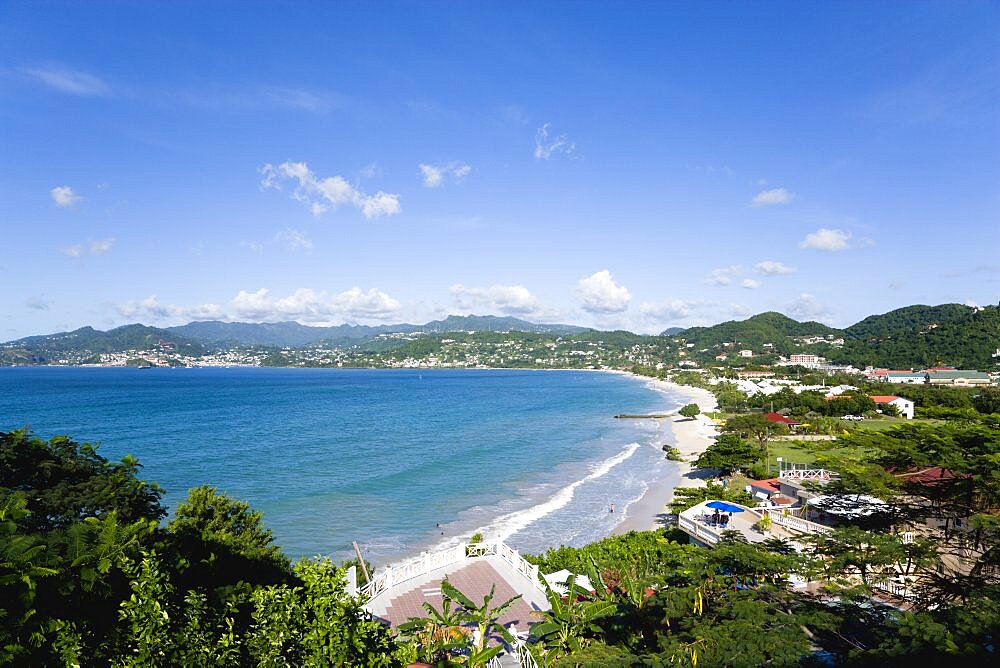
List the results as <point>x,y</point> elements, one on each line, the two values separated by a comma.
<point>293,240</point>
<point>101,247</point>
<point>772,197</point>
<point>151,308</point>
<point>600,294</point>
<point>826,240</point>
<point>254,246</point>
<point>315,306</point>
<point>38,303</point>
<point>750,284</point>
<point>514,114</point>
<point>739,310</point>
<point>773,268</point>
<point>507,299</point>
<point>546,147</point>
<point>807,307</point>
<point>434,175</point>
<point>673,309</point>
<point>69,81</point>
<point>320,195</point>
<point>380,204</point>
<point>64,197</point>
<point>372,170</point>
<point>724,275</point>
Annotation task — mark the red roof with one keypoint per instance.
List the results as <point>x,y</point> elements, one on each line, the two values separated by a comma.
<point>781,419</point>
<point>928,476</point>
<point>882,398</point>
<point>770,484</point>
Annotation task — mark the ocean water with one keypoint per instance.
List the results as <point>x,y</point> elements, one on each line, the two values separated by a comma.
<point>399,460</point>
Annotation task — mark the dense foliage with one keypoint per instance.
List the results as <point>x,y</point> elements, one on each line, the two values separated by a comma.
<point>88,575</point>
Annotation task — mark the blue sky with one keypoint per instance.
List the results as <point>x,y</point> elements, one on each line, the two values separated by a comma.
<point>635,165</point>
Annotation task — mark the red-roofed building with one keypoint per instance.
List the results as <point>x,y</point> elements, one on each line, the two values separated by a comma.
<point>769,490</point>
<point>781,419</point>
<point>904,406</point>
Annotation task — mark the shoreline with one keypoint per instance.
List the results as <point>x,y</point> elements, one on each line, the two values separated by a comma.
<point>691,438</point>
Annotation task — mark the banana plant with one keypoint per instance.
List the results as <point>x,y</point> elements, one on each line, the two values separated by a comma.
<point>564,628</point>
<point>485,618</point>
<point>439,633</point>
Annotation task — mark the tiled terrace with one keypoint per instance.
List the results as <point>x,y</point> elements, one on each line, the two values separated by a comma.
<point>472,579</point>
<point>473,576</point>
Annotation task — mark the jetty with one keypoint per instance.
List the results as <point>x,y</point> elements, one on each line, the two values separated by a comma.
<point>648,416</point>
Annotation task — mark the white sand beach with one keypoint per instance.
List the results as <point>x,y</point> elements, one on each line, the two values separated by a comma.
<point>652,511</point>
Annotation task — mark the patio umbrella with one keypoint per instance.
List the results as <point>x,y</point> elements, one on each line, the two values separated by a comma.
<point>724,507</point>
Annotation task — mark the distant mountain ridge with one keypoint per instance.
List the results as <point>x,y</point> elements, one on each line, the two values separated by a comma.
<point>916,335</point>
<point>291,334</point>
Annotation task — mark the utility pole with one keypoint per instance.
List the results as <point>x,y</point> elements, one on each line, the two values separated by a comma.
<point>361,560</point>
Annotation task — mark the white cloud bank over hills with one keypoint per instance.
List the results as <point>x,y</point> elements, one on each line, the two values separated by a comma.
<point>506,299</point>
<point>305,305</point>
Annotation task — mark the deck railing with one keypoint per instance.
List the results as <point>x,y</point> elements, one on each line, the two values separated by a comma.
<point>702,532</point>
<point>523,654</point>
<point>394,574</point>
<point>897,589</point>
<point>795,523</point>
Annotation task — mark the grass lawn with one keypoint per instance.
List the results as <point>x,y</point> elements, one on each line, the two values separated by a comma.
<point>885,423</point>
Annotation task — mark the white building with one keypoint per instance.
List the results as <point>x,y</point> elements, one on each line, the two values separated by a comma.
<point>904,406</point>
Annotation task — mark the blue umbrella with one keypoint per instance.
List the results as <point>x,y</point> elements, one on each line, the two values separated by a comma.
<point>724,507</point>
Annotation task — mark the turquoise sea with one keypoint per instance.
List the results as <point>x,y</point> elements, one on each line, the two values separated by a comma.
<point>399,460</point>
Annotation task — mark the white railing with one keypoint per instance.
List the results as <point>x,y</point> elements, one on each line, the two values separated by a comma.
<point>805,474</point>
<point>897,589</point>
<point>523,655</point>
<point>796,523</point>
<point>394,574</point>
<point>700,531</point>
<point>519,564</point>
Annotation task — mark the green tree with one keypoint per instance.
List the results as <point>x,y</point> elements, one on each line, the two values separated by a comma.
<point>755,426</point>
<point>222,541</point>
<point>988,400</point>
<point>730,453</point>
<point>64,481</point>
<point>690,411</point>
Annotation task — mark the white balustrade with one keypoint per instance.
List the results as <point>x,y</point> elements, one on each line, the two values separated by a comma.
<point>796,523</point>
<point>394,574</point>
<point>897,589</point>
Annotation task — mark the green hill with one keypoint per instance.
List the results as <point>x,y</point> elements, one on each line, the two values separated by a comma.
<point>770,327</point>
<point>922,336</point>
<point>82,344</point>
